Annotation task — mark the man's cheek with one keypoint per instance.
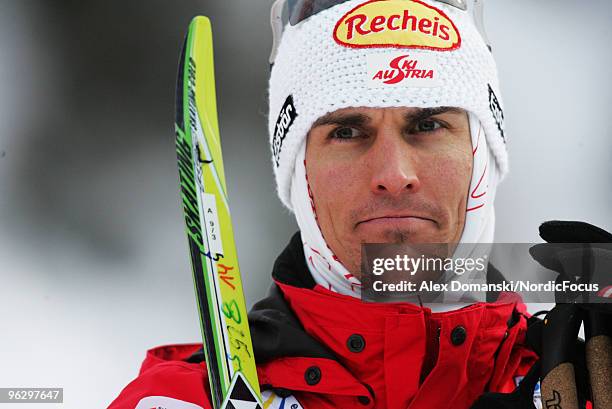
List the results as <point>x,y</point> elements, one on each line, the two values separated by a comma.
<point>449,171</point>
<point>340,180</point>
<point>449,182</point>
<point>329,186</point>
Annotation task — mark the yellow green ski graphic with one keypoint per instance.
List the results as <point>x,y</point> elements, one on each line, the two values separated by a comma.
<point>217,280</point>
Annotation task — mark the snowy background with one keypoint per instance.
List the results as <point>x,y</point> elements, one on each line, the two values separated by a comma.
<point>93,259</point>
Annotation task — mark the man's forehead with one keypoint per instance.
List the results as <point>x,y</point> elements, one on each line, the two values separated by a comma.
<point>366,114</point>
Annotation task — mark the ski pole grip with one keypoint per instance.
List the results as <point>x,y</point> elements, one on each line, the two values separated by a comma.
<point>559,388</point>
<point>598,332</point>
<point>561,327</point>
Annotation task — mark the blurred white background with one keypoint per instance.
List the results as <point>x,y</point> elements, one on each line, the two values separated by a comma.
<point>94,268</point>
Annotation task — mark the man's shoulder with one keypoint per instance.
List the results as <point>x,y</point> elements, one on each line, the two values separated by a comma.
<point>173,354</point>
<point>168,378</point>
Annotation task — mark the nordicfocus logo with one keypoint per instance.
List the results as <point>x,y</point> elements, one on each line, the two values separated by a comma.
<point>402,69</point>
<point>397,23</point>
<point>283,123</point>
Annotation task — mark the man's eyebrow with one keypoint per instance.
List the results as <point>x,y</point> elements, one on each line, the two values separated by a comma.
<point>424,113</point>
<point>357,119</point>
<point>342,119</point>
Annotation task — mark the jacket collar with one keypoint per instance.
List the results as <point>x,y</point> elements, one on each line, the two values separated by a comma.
<point>278,332</point>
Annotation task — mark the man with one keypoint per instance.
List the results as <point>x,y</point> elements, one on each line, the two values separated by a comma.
<point>386,125</point>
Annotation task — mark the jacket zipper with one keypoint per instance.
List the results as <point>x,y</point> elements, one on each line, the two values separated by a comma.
<point>431,351</point>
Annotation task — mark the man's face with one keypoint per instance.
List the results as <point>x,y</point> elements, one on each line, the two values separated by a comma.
<point>389,175</point>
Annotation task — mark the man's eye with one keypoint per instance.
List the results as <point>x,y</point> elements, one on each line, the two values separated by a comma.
<point>427,125</point>
<point>345,133</point>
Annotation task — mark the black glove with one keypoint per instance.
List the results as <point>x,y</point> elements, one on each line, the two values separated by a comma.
<point>520,398</point>
<point>555,338</point>
<point>580,253</point>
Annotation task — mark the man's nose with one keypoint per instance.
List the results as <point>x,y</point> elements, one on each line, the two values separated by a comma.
<point>394,164</point>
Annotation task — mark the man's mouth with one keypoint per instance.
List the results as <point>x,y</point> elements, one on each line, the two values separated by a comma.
<point>396,221</point>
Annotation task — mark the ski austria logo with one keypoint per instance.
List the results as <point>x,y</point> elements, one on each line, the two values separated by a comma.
<point>408,69</point>
<point>397,23</point>
<point>283,123</point>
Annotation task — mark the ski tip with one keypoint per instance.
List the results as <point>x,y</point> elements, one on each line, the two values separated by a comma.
<point>200,22</point>
<point>200,28</point>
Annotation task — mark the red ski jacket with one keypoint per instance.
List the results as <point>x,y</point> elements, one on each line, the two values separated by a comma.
<point>319,349</point>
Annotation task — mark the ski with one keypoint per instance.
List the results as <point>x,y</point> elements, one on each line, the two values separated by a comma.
<point>218,285</point>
